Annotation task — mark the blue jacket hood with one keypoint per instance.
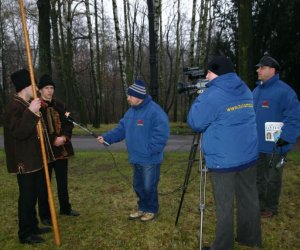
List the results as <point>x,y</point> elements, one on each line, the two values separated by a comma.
<point>230,83</point>
<point>225,116</point>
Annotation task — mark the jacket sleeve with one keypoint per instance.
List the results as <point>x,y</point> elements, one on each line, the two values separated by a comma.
<point>201,114</point>
<point>160,132</point>
<point>117,134</point>
<point>21,124</point>
<point>291,119</point>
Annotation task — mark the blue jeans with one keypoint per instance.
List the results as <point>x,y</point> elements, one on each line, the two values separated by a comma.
<point>145,183</point>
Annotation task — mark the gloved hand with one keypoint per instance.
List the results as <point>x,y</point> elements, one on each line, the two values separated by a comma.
<point>281,142</point>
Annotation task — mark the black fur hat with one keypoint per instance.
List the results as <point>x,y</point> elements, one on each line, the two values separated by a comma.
<point>45,80</point>
<point>21,79</point>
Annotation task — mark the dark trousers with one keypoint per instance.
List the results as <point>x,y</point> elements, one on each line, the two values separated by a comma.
<point>29,188</point>
<point>60,168</point>
<point>269,180</point>
<point>240,186</point>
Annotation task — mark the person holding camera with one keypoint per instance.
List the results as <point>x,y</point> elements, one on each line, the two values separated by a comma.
<point>145,127</point>
<point>275,103</point>
<point>225,116</point>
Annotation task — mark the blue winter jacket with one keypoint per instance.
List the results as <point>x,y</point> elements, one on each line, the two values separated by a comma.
<point>275,101</point>
<point>146,130</point>
<point>225,116</point>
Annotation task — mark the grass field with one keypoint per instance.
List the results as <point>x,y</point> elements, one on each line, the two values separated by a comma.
<point>102,193</point>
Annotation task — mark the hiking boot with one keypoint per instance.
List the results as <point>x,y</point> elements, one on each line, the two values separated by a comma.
<point>135,215</point>
<point>147,217</point>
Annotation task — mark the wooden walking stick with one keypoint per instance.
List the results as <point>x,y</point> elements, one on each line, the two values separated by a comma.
<point>40,130</point>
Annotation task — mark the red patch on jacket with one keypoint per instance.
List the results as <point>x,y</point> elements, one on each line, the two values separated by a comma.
<point>265,104</point>
<point>140,122</point>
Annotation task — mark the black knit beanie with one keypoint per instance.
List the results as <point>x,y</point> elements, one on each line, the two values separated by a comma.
<point>221,65</point>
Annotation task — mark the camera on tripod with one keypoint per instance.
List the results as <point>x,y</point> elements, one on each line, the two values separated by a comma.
<point>196,81</point>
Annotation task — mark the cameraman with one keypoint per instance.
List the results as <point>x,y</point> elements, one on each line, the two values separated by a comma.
<point>224,114</point>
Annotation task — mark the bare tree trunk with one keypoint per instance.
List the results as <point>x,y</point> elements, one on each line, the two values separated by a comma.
<point>68,64</point>
<point>210,24</point>
<point>132,43</point>
<point>57,56</point>
<point>202,32</point>
<point>2,70</point>
<point>192,35</point>
<point>103,70</point>
<point>139,57</point>
<point>245,44</point>
<point>162,96</point>
<point>98,64</point>
<point>169,88</point>
<point>129,38</point>
<point>177,62</point>
<point>153,35</point>
<point>96,118</point>
<point>203,36</point>
<point>119,46</point>
<point>44,37</point>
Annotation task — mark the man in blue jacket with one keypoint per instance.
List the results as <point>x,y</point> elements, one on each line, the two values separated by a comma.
<point>225,116</point>
<point>277,108</point>
<point>145,128</point>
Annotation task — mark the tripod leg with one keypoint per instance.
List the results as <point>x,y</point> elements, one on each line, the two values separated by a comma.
<point>188,171</point>
<point>203,171</point>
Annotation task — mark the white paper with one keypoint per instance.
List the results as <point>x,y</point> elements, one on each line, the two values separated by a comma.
<point>273,131</point>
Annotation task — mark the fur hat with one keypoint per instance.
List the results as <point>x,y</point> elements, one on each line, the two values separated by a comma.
<point>138,89</point>
<point>21,79</point>
<point>45,80</point>
<point>221,65</point>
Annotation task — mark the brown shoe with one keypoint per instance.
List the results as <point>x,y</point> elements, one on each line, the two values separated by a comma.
<point>266,214</point>
<point>147,217</point>
<point>135,215</point>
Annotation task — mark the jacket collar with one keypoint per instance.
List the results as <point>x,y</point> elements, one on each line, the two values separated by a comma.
<point>269,82</point>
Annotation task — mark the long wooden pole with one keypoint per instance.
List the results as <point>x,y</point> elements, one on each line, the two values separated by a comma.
<point>40,129</point>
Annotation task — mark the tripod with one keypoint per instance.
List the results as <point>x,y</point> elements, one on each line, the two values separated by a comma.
<point>203,171</point>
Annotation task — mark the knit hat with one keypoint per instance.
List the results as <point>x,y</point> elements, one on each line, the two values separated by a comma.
<point>138,89</point>
<point>21,79</point>
<point>269,61</point>
<point>221,65</point>
<point>45,80</point>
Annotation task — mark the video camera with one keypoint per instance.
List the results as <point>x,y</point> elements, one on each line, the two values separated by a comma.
<point>197,81</point>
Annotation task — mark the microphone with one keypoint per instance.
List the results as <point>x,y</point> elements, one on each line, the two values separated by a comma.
<point>70,119</point>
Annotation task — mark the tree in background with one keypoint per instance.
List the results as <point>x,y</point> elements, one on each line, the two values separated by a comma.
<point>44,65</point>
<point>245,42</point>
<point>276,30</point>
<point>92,62</point>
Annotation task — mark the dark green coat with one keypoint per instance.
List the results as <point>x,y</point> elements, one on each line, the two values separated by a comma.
<point>21,141</point>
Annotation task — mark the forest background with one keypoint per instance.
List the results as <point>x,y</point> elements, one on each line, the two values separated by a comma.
<point>94,49</point>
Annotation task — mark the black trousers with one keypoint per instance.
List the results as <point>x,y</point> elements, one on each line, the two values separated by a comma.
<point>269,181</point>
<point>29,188</point>
<point>239,188</point>
<point>60,168</point>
